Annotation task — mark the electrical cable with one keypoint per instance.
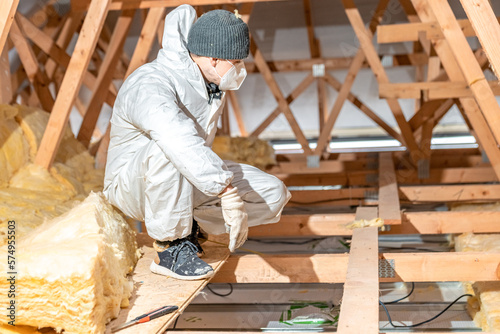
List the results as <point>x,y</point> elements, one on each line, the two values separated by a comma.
<point>423,322</point>
<point>220,294</point>
<point>400,299</point>
<point>328,200</point>
<point>286,242</point>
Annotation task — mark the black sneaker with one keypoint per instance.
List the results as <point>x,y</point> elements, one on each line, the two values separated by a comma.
<point>179,260</point>
<point>194,237</point>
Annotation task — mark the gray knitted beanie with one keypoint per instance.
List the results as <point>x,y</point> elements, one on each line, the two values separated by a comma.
<point>219,34</point>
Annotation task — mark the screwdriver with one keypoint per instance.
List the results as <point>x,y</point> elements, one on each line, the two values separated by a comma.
<point>148,316</point>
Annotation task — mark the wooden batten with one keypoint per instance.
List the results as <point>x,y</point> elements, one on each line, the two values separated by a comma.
<point>332,268</point>
<point>388,196</point>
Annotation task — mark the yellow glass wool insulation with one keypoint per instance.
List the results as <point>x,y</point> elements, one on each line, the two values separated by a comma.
<point>252,151</point>
<point>377,222</point>
<point>484,307</point>
<point>14,150</point>
<point>32,194</point>
<point>72,269</point>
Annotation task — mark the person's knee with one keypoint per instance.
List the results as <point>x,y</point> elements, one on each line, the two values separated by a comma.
<point>278,196</point>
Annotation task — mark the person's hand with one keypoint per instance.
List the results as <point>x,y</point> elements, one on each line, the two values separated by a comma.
<point>235,217</point>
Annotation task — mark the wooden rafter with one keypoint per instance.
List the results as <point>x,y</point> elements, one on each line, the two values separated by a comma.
<point>105,76</point>
<point>7,12</point>
<point>71,83</point>
<point>486,27</point>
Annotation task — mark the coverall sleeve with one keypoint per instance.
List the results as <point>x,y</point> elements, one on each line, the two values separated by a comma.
<point>158,115</point>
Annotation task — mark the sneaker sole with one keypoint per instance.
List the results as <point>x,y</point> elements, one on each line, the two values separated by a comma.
<point>157,269</point>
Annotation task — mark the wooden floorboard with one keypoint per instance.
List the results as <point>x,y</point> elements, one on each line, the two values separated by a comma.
<point>152,291</point>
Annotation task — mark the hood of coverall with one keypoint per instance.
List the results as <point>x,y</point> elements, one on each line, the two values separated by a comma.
<point>174,53</point>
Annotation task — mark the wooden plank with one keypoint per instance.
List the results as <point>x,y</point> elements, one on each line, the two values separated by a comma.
<point>347,196</point>
<point>6,86</point>
<point>413,194</point>
<point>430,222</point>
<point>153,291</point>
<point>332,268</point>
<point>365,38</point>
<point>328,166</point>
<point>408,32</point>
<point>388,196</point>
<point>360,299</point>
<point>404,177</point>
<point>7,12</point>
<point>105,76</point>
<point>146,39</point>
<point>468,64</point>
<point>452,193</point>
<point>486,26</point>
<point>433,90</point>
<point>366,212</point>
<point>72,81</point>
<point>278,95</point>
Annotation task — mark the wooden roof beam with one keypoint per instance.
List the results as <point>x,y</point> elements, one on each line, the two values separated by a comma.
<point>72,81</point>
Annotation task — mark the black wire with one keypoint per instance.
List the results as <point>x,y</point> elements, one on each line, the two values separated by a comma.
<point>286,242</point>
<point>423,322</point>
<point>329,200</point>
<point>400,299</point>
<point>219,294</point>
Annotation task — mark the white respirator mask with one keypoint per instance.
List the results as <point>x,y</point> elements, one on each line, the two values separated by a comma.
<point>233,78</point>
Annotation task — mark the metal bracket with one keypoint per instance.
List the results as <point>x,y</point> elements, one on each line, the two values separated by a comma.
<point>313,161</point>
<point>423,169</point>
<point>386,268</point>
<point>318,70</point>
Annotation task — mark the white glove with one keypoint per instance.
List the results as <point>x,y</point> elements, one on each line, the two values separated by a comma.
<point>235,217</point>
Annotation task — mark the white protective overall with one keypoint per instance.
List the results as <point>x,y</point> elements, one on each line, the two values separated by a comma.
<point>160,166</point>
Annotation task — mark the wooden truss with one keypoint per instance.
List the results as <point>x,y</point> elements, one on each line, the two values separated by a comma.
<point>380,184</point>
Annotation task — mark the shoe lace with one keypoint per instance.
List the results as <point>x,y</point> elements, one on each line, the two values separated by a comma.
<point>184,245</point>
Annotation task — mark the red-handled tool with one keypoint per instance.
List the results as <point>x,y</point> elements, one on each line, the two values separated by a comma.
<point>148,316</point>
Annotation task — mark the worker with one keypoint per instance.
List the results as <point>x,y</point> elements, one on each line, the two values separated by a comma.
<point>161,168</point>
